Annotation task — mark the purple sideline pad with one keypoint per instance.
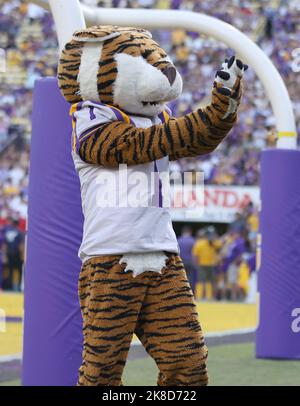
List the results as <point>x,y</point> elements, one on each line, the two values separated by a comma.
<point>52,324</point>
<point>279,275</point>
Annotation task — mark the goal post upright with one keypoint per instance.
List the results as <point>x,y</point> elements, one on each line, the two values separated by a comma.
<point>68,17</point>
<point>246,49</point>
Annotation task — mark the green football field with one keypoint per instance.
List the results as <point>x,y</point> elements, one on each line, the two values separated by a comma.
<point>229,365</point>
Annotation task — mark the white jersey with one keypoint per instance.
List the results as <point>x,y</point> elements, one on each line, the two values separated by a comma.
<point>124,209</point>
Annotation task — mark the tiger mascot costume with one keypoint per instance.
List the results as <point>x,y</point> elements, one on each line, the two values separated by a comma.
<point>132,280</point>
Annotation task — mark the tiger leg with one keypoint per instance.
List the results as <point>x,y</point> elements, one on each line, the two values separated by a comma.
<point>110,301</point>
<point>169,329</point>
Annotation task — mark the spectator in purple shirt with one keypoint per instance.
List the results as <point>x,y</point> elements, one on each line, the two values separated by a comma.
<point>186,242</point>
<point>237,248</point>
<point>13,246</point>
<point>1,256</point>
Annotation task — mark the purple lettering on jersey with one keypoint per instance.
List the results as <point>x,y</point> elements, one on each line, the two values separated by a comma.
<point>160,197</point>
<point>117,112</point>
<point>92,114</point>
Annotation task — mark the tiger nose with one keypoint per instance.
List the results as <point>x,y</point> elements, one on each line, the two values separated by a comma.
<point>170,72</point>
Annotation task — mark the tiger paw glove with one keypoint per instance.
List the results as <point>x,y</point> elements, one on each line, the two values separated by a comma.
<point>228,83</point>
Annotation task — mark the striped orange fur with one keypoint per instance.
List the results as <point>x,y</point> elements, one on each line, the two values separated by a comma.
<point>158,308</point>
<point>197,133</point>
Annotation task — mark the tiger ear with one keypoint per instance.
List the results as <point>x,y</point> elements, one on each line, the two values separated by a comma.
<point>96,34</point>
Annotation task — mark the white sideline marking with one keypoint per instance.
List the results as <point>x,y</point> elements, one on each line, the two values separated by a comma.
<point>9,358</point>
<point>230,332</point>
<point>14,357</point>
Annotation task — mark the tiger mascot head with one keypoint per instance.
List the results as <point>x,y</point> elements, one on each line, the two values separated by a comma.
<point>119,66</point>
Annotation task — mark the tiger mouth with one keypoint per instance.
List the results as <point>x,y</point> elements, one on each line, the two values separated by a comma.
<point>152,103</point>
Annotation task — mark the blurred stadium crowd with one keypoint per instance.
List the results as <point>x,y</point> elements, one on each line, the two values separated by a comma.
<point>28,36</point>
<point>221,267</point>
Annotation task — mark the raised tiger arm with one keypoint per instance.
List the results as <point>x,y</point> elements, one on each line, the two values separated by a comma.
<point>197,133</point>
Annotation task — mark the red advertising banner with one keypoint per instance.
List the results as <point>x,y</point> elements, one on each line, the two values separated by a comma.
<point>211,203</point>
